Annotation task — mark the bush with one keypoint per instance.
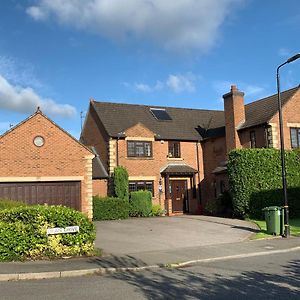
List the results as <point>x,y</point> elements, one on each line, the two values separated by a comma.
<point>6,204</point>
<point>121,183</point>
<point>255,180</point>
<point>262,199</point>
<point>221,206</point>
<point>110,208</point>
<point>213,207</point>
<point>156,211</point>
<point>140,204</point>
<point>23,233</point>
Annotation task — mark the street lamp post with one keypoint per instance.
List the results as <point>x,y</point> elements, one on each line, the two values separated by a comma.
<point>283,171</point>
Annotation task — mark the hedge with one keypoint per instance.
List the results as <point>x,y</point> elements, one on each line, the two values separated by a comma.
<point>140,204</point>
<point>23,233</point>
<point>110,208</point>
<point>6,204</point>
<point>121,182</point>
<point>255,180</point>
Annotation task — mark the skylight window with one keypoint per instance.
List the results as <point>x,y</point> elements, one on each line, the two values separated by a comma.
<point>160,114</point>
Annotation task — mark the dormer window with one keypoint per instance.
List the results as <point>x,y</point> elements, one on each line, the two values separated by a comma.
<point>174,149</point>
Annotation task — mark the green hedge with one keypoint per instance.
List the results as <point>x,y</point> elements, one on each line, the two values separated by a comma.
<point>110,208</point>
<point>140,204</point>
<point>156,211</point>
<point>255,180</point>
<point>23,233</point>
<point>121,182</point>
<point>6,204</point>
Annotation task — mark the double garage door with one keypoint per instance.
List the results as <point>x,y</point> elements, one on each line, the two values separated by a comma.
<point>65,193</point>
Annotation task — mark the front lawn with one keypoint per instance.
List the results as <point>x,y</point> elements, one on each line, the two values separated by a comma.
<point>294,228</point>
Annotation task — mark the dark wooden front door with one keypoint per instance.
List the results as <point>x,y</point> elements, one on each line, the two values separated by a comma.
<point>65,193</point>
<point>178,194</point>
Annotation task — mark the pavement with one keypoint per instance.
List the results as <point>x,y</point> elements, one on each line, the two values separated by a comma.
<point>164,257</point>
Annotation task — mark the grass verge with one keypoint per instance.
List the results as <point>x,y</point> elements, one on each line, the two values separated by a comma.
<point>294,228</point>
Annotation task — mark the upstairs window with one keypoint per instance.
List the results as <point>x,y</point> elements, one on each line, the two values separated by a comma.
<point>174,149</point>
<point>295,137</point>
<point>139,149</point>
<point>252,139</point>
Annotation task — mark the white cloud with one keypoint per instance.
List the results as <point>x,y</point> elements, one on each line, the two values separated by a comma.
<point>180,24</point>
<point>223,87</point>
<point>179,83</point>
<point>37,13</point>
<point>284,52</point>
<point>26,100</point>
<point>175,82</point>
<point>143,87</point>
<point>18,72</point>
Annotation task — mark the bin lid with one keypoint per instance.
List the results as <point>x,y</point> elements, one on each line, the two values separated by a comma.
<point>272,208</point>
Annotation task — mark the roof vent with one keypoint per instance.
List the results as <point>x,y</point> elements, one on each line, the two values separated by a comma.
<point>160,114</point>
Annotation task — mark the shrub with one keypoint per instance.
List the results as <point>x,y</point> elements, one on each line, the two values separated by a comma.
<point>156,211</point>
<point>213,207</point>
<point>110,208</point>
<point>255,180</point>
<point>121,182</point>
<point>140,204</point>
<point>23,233</point>
<point>221,206</point>
<point>6,203</point>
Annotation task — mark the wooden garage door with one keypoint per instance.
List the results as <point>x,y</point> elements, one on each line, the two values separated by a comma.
<point>54,193</point>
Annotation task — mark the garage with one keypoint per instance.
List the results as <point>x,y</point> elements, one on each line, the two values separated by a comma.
<point>42,163</point>
<point>52,193</point>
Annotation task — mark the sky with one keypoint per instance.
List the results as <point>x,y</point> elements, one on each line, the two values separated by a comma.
<point>59,54</point>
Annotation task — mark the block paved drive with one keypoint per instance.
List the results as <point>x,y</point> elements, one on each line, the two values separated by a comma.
<point>138,235</point>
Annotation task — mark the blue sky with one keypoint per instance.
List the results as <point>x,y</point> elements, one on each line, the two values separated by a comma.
<point>58,54</point>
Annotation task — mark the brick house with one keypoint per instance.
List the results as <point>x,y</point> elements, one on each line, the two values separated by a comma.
<point>42,163</point>
<point>180,154</point>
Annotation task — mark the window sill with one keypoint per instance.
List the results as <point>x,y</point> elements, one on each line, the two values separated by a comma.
<point>139,158</point>
<point>174,158</point>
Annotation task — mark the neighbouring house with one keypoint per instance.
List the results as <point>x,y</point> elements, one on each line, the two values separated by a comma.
<point>40,163</point>
<point>180,154</point>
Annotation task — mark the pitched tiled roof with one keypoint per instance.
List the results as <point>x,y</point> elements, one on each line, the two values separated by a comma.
<point>184,125</point>
<point>99,171</point>
<point>261,111</point>
<point>179,169</point>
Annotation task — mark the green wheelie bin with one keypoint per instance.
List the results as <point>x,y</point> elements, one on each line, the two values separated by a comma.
<point>273,217</point>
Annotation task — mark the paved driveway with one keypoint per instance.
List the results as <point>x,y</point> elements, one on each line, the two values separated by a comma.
<point>138,235</point>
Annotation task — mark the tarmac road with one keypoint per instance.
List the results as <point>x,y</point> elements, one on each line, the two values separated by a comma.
<point>273,276</point>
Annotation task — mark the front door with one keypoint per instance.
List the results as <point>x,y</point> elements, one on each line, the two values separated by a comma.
<point>178,194</point>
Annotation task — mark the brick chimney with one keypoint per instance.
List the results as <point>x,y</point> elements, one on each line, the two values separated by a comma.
<point>234,110</point>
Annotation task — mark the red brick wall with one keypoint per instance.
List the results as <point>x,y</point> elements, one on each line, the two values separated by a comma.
<point>234,110</point>
<point>291,114</point>
<point>260,135</point>
<point>100,187</point>
<point>95,135</point>
<point>145,167</point>
<point>214,153</point>
<point>60,156</point>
